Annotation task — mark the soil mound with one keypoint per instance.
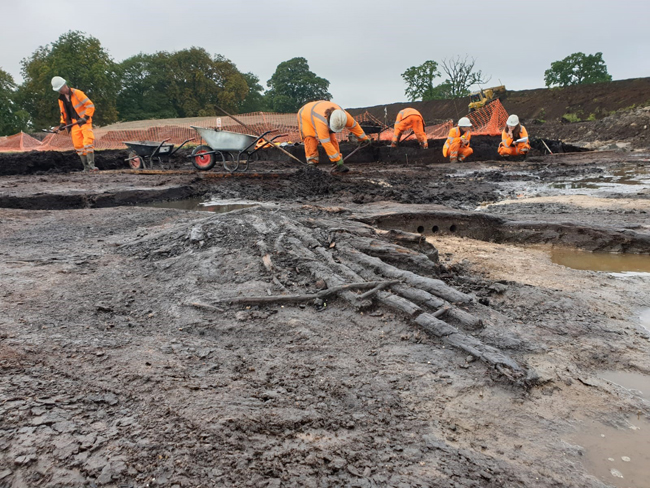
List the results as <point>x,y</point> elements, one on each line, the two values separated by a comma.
<point>599,99</point>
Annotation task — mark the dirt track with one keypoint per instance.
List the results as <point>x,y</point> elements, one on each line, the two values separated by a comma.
<point>112,377</point>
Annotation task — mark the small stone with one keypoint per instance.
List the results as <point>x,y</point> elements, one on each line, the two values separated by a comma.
<point>626,459</point>
<point>4,474</point>
<point>196,234</point>
<point>241,316</point>
<point>616,473</point>
<point>470,359</point>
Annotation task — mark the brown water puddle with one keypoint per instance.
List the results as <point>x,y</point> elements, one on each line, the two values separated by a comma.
<point>638,383</point>
<point>619,456</point>
<point>601,261</point>
<point>627,175</point>
<point>202,205</point>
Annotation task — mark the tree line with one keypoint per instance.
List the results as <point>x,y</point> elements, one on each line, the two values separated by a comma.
<point>186,83</point>
<point>460,75</point>
<point>193,83</point>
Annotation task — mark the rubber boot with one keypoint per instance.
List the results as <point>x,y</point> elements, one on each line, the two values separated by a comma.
<point>340,168</point>
<point>84,162</point>
<point>91,161</point>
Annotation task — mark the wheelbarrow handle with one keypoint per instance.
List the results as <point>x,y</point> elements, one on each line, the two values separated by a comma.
<point>158,148</point>
<point>184,142</point>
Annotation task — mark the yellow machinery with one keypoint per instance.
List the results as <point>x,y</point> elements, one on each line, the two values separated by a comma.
<point>481,98</point>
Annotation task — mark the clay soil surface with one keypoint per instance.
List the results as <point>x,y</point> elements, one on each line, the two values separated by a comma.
<point>123,364</point>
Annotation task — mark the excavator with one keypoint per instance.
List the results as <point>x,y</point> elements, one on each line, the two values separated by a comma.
<point>484,96</point>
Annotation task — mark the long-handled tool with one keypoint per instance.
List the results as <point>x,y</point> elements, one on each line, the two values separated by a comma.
<point>56,130</point>
<point>264,138</point>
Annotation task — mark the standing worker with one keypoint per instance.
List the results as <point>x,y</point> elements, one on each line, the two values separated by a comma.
<point>318,122</point>
<point>76,108</point>
<point>514,138</point>
<point>409,118</point>
<point>457,144</point>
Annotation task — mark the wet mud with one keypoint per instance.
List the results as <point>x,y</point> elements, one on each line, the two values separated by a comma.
<point>125,363</point>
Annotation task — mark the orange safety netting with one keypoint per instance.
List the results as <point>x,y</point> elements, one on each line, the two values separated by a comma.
<point>489,120</point>
<point>19,142</point>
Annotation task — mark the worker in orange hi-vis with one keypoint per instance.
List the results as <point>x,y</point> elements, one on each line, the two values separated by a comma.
<point>409,118</point>
<point>514,138</point>
<point>76,108</point>
<point>457,143</point>
<point>319,122</point>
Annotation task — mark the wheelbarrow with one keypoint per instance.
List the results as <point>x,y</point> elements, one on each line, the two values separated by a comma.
<point>142,153</point>
<point>235,151</point>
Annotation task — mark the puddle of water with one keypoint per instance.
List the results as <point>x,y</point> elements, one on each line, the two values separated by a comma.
<point>201,205</point>
<point>617,456</point>
<point>601,261</point>
<point>629,175</point>
<point>638,382</point>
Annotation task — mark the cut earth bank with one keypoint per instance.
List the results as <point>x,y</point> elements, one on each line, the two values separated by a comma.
<point>122,367</point>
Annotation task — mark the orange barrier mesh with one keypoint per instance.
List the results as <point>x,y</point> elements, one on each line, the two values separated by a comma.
<point>19,142</point>
<point>489,120</point>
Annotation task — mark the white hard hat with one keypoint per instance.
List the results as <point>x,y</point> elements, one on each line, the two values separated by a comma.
<point>513,121</point>
<point>338,119</point>
<point>58,83</point>
<point>464,122</point>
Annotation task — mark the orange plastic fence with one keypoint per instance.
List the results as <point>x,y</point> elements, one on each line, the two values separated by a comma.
<point>489,120</point>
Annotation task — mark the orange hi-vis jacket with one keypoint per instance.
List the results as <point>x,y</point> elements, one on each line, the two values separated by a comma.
<point>454,136</point>
<point>313,123</point>
<point>508,141</point>
<point>81,104</point>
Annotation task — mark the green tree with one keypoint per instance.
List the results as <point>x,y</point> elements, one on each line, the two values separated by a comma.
<point>461,76</point>
<point>12,119</point>
<point>577,69</point>
<point>84,63</point>
<point>255,100</point>
<point>419,81</point>
<point>143,94</point>
<point>293,84</point>
<point>199,82</point>
<point>187,83</point>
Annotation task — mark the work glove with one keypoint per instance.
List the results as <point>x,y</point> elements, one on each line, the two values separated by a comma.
<point>81,121</point>
<point>60,128</point>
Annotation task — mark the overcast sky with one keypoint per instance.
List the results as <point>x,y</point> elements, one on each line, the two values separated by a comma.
<point>360,46</point>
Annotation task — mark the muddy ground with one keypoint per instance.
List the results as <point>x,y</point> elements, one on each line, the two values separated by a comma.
<point>121,368</point>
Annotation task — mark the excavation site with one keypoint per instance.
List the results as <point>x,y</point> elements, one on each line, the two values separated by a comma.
<point>413,322</point>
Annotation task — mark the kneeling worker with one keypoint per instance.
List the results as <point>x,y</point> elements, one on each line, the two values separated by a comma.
<point>76,108</point>
<point>514,139</point>
<point>409,118</point>
<point>457,144</point>
<point>318,122</point>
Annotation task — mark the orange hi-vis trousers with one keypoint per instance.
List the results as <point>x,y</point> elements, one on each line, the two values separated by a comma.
<point>83,138</point>
<point>458,151</point>
<point>311,147</point>
<point>517,150</point>
<point>415,124</point>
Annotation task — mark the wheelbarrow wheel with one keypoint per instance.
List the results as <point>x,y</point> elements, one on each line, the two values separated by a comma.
<point>135,161</point>
<point>243,158</point>
<point>230,162</point>
<point>203,158</point>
